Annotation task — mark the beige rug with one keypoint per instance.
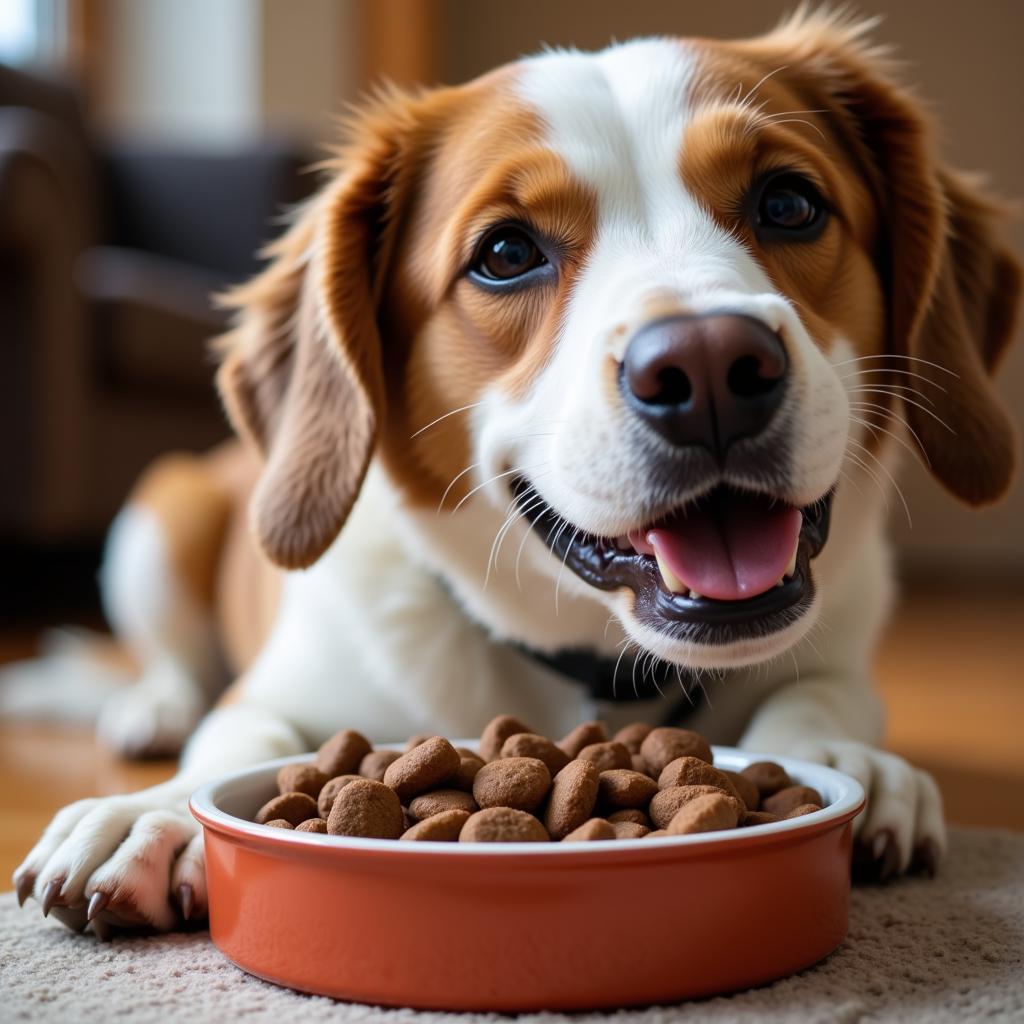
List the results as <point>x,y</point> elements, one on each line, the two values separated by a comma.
<point>951,949</point>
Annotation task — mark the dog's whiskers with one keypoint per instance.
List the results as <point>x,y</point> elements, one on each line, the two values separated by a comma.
<point>892,355</point>
<point>453,412</point>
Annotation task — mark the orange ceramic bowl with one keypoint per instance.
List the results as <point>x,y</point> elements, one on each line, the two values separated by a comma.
<point>526,926</point>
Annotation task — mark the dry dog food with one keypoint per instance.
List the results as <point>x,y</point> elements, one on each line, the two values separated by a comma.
<point>641,783</point>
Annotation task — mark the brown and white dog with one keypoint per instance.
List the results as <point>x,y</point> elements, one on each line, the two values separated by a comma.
<point>609,354</point>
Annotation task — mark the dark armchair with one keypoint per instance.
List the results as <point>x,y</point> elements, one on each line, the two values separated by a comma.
<point>108,256</point>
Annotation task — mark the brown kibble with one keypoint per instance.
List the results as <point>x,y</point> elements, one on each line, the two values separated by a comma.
<point>301,778</point>
<point>662,745</point>
<point>790,798</point>
<point>331,788</point>
<point>317,825</point>
<point>692,771</point>
<point>367,808</point>
<point>583,736</point>
<point>517,782</point>
<point>415,740</point>
<point>593,830</point>
<point>279,823</point>
<point>633,814</point>
<point>657,833</point>
<point>497,730</point>
<point>292,807</point>
<point>529,744</point>
<point>376,763</point>
<point>439,801</point>
<point>629,830</point>
<point>427,765</point>
<point>709,813</point>
<point>623,787</point>
<point>573,796</point>
<point>607,756</point>
<point>799,812</point>
<point>632,736</point>
<point>640,765</point>
<point>469,765</point>
<point>438,828</point>
<point>752,818</point>
<point>768,776</point>
<point>502,825</point>
<point>341,754</point>
<point>667,802</point>
<point>745,789</point>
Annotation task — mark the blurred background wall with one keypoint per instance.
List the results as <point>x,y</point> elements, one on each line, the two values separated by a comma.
<point>193,118</point>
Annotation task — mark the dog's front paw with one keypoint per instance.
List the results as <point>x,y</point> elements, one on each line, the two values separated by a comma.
<point>901,829</point>
<point>120,862</point>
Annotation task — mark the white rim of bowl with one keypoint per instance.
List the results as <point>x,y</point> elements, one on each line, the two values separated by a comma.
<point>850,799</point>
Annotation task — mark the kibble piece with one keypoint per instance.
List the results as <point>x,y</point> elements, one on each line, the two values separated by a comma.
<point>709,813</point>
<point>583,736</point>
<point>657,833</point>
<point>640,764</point>
<point>416,739</point>
<point>438,828</point>
<point>367,808</point>
<point>426,766</point>
<point>469,765</point>
<point>662,745</point>
<point>529,744</point>
<point>438,801</point>
<point>517,782</point>
<point>791,797</point>
<point>502,825</point>
<point>632,735</point>
<point>633,814</point>
<point>341,754</point>
<point>497,730</point>
<point>768,776</point>
<point>667,802</point>
<point>745,789</point>
<point>331,788</point>
<point>279,823</point>
<point>629,830</point>
<point>623,787</point>
<point>607,755</point>
<point>752,818</point>
<point>692,771</point>
<point>375,764</point>
<point>292,807</point>
<point>301,778</point>
<point>593,830</point>
<point>317,825</point>
<point>799,812</point>
<point>573,796</point>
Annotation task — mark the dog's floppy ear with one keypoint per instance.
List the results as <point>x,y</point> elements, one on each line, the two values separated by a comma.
<point>953,287</point>
<point>302,374</point>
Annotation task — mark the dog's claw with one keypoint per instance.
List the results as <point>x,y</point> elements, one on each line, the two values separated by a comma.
<point>50,895</point>
<point>187,899</point>
<point>23,885</point>
<point>878,859</point>
<point>925,859</point>
<point>97,904</point>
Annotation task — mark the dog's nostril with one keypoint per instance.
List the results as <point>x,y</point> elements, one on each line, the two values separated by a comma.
<point>674,387</point>
<point>746,378</point>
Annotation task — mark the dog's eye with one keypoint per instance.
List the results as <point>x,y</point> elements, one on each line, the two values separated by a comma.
<point>790,208</point>
<point>507,253</point>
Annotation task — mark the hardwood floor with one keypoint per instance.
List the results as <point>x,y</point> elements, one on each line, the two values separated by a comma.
<point>951,670</point>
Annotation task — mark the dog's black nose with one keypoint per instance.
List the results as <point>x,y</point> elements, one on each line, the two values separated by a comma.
<point>706,380</point>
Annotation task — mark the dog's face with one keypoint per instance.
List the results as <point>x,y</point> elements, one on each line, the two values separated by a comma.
<point>645,304</point>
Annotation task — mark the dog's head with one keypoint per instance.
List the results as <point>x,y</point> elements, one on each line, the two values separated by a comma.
<point>647,306</point>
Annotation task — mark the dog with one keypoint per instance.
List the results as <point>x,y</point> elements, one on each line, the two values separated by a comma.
<point>604,362</point>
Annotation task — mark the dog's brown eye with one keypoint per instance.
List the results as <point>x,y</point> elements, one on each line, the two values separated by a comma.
<point>789,208</point>
<point>506,254</point>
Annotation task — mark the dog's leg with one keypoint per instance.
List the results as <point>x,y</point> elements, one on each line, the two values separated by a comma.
<point>158,581</point>
<point>837,721</point>
<point>136,861</point>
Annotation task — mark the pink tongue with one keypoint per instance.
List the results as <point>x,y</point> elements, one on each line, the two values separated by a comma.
<point>734,549</point>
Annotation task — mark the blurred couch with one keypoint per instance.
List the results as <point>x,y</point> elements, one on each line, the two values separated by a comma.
<point>108,257</point>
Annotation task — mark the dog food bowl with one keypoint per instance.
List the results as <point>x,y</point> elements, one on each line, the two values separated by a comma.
<point>527,926</point>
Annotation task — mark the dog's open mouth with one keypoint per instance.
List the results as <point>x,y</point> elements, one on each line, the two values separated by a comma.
<point>737,564</point>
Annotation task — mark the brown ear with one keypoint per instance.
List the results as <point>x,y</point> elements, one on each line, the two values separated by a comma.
<point>302,375</point>
<point>953,288</point>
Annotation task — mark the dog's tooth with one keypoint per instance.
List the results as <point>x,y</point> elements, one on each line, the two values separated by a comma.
<point>791,568</point>
<point>672,581</point>
<point>694,596</point>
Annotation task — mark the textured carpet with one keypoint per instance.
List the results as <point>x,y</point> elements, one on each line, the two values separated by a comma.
<point>951,949</point>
